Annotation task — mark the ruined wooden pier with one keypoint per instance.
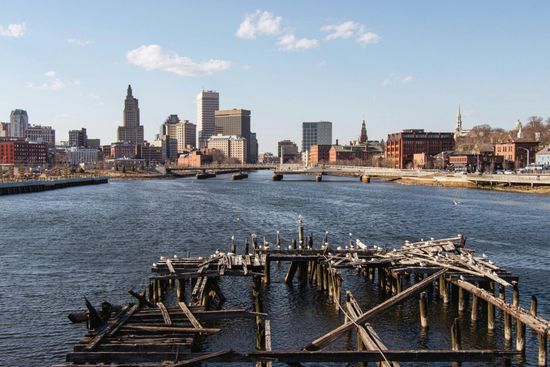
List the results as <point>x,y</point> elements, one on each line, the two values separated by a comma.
<point>167,322</point>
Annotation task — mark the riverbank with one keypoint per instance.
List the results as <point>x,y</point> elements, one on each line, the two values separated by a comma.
<point>446,181</point>
<point>53,183</point>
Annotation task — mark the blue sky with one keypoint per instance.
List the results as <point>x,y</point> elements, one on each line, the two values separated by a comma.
<point>401,64</point>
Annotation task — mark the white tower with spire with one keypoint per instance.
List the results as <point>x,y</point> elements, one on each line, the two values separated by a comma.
<point>459,131</point>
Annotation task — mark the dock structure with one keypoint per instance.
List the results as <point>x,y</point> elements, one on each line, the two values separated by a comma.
<point>44,184</point>
<point>167,322</point>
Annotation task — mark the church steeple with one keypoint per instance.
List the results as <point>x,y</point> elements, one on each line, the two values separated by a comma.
<point>458,120</point>
<point>363,138</point>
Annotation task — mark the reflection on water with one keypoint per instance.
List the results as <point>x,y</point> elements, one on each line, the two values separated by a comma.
<point>99,241</point>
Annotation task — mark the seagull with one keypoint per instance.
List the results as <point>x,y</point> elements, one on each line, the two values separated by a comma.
<point>162,258</point>
<point>490,262</point>
<point>484,256</point>
<point>456,202</point>
<point>154,265</point>
<point>461,277</point>
<point>339,247</point>
<point>175,256</point>
<point>237,218</point>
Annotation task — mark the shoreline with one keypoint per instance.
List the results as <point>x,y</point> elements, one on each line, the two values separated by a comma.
<point>458,183</point>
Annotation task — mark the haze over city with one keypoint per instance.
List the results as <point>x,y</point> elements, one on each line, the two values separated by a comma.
<point>398,65</point>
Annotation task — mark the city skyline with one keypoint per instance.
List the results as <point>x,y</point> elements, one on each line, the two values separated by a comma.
<point>287,64</point>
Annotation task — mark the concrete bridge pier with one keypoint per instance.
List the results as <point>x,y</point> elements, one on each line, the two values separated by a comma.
<point>364,178</point>
<point>277,177</point>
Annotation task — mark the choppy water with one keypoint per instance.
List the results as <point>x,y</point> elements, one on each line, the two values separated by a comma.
<point>99,241</point>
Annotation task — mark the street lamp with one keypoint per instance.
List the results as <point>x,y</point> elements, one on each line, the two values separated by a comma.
<point>528,153</point>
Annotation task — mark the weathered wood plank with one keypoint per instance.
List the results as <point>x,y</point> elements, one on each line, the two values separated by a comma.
<point>190,315</point>
<point>334,334</point>
<point>112,328</point>
<point>165,314</point>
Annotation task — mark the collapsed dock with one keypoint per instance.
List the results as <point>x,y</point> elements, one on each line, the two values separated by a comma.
<point>168,322</point>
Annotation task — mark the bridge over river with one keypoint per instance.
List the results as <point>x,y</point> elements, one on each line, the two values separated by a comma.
<point>366,173</point>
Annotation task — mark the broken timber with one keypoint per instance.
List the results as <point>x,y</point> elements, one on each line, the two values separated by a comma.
<point>164,331</point>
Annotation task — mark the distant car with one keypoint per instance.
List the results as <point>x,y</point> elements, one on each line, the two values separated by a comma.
<point>508,172</point>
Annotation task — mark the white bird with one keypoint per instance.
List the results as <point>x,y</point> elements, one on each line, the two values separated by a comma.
<point>175,256</point>
<point>484,256</point>
<point>339,247</point>
<point>461,277</point>
<point>154,265</point>
<point>163,258</point>
<point>289,247</point>
<point>490,262</point>
<point>200,257</point>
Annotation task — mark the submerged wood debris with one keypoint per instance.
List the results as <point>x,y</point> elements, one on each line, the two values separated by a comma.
<point>158,331</point>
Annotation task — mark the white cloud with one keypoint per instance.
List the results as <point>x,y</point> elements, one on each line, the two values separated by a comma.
<point>13,30</point>
<point>79,41</point>
<point>153,57</point>
<point>342,30</point>
<point>350,29</point>
<point>52,82</point>
<point>396,79</point>
<point>289,42</point>
<point>259,23</point>
<point>368,38</point>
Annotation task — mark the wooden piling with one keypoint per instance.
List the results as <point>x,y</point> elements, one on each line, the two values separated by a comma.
<point>520,336</point>
<point>507,327</point>
<point>456,343</point>
<point>423,305</point>
<point>543,348</point>
<point>515,295</point>
<point>534,305</point>
<point>267,269</point>
<point>475,301</point>
<point>180,290</point>
<point>461,300</point>
<point>490,316</point>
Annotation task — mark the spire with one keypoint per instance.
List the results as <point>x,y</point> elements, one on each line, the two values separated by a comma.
<point>129,90</point>
<point>458,120</point>
<point>363,137</point>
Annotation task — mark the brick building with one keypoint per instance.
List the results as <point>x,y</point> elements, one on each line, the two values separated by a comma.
<point>123,150</point>
<point>514,152</point>
<point>19,152</point>
<point>194,159</point>
<point>319,154</point>
<point>347,154</point>
<point>401,147</point>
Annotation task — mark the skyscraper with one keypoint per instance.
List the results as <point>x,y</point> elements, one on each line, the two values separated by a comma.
<point>131,130</point>
<point>78,138</point>
<point>182,130</point>
<point>208,102</point>
<point>316,133</point>
<point>19,122</point>
<point>237,122</point>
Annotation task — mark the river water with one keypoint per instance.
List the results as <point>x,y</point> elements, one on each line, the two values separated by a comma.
<point>99,241</point>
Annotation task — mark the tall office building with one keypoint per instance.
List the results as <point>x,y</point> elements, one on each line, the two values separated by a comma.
<point>78,138</point>
<point>19,122</point>
<point>208,102</point>
<point>316,133</point>
<point>181,130</point>
<point>41,134</point>
<point>131,131</point>
<point>237,122</point>
<point>232,146</point>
